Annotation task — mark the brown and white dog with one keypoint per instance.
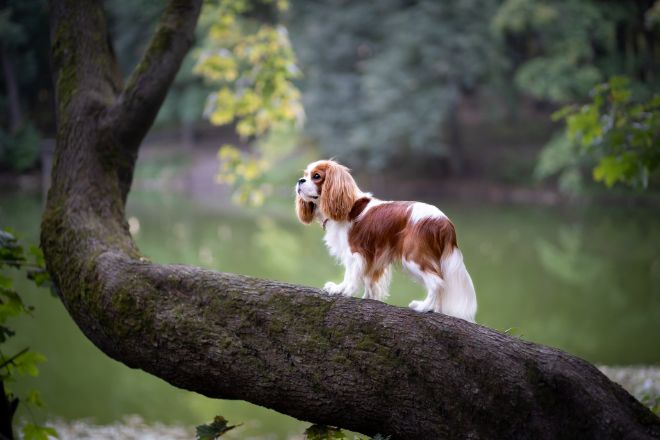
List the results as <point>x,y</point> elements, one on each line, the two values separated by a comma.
<point>367,235</point>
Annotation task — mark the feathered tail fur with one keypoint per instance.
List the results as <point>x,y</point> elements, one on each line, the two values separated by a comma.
<point>458,297</point>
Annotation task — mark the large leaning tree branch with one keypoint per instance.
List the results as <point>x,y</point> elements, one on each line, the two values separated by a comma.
<point>136,107</point>
<point>359,364</point>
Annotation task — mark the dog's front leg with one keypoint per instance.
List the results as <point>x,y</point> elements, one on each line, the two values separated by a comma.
<point>354,265</point>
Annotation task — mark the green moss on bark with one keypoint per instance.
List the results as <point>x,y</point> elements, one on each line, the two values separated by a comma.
<point>64,58</point>
<point>160,44</point>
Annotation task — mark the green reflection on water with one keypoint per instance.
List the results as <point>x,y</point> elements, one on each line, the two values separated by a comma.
<point>587,281</point>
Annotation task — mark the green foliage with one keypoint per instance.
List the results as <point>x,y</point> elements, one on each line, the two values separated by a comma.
<point>213,430</point>
<point>36,432</point>
<point>616,133</point>
<point>271,163</point>
<point>556,38</point>
<point>20,151</point>
<point>33,397</point>
<point>254,69</point>
<point>242,169</point>
<point>24,71</point>
<point>25,361</point>
<point>559,50</point>
<point>382,79</point>
<point>559,158</point>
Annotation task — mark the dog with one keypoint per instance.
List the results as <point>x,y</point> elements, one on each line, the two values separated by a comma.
<point>367,235</point>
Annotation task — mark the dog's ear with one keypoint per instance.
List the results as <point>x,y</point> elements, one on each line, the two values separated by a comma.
<point>338,193</point>
<point>305,210</point>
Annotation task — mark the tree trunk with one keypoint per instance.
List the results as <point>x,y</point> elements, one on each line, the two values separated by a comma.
<point>358,364</point>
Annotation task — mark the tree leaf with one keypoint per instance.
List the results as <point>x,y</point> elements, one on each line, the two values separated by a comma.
<point>5,332</point>
<point>27,363</point>
<point>38,255</point>
<point>41,277</point>
<point>611,169</point>
<point>11,253</point>
<point>11,304</point>
<point>34,398</point>
<point>214,429</point>
<point>5,282</point>
<point>36,432</point>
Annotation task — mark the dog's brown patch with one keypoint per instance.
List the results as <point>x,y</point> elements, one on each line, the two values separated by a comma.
<point>377,235</point>
<point>358,207</point>
<point>384,234</point>
<point>427,241</point>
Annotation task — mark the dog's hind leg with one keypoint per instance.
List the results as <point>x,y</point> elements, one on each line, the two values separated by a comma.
<point>433,283</point>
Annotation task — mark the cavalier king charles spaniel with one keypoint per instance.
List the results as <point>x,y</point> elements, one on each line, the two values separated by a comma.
<point>367,235</point>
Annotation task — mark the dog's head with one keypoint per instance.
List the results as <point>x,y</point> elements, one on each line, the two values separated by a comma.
<point>327,186</point>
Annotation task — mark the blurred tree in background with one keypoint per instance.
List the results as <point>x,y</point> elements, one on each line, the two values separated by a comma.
<point>559,51</point>
<point>382,83</point>
<point>26,109</point>
<point>25,90</point>
<point>383,80</point>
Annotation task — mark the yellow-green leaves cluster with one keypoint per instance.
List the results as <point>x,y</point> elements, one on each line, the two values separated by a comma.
<point>253,66</point>
<point>243,171</point>
<point>255,73</point>
<point>32,431</point>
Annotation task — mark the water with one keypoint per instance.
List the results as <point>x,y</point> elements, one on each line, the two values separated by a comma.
<point>586,280</point>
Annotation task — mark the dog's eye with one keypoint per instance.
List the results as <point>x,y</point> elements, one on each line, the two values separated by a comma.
<point>316,176</point>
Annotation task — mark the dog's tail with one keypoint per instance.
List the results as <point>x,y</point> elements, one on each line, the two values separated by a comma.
<point>458,297</point>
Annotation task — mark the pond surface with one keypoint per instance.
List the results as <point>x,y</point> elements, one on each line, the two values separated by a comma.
<point>586,280</point>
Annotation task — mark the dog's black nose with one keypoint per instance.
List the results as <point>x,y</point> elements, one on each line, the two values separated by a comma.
<point>301,180</point>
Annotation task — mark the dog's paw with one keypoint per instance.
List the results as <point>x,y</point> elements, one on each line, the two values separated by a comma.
<point>418,306</point>
<point>332,288</point>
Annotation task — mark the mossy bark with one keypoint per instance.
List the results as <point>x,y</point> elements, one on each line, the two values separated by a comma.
<point>357,364</point>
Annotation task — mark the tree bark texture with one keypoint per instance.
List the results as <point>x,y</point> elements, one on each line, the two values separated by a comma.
<point>358,364</point>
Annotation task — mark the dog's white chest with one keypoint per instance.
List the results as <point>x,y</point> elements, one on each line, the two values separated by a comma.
<point>336,239</point>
